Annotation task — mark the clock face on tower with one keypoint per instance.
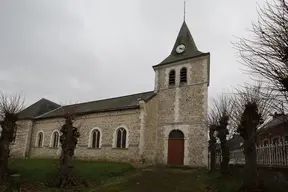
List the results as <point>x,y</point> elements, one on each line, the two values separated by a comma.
<point>180,48</point>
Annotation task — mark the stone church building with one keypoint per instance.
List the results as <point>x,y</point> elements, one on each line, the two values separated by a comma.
<point>163,126</point>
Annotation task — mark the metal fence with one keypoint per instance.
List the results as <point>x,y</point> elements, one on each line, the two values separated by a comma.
<point>270,156</point>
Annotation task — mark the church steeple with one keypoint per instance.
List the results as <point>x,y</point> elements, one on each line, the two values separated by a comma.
<point>184,47</point>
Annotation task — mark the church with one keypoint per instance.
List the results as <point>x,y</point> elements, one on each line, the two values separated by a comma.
<point>166,126</point>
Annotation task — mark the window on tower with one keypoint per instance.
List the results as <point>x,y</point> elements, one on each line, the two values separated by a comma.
<point>172,77</point>
<point>183,75</point>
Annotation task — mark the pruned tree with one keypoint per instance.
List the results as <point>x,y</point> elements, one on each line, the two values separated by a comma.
<point>218,120</point>
<point>212,123</point>
<point>266,52</point>
<point>68,140</point>
<point>10,106</point>
<point>212,147</point>
<point>250,111</point>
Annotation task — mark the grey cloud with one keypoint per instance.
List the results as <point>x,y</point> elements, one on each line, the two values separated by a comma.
<point>70,51</point>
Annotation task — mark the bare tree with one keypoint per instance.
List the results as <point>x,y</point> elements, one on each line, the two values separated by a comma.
<point>266,53</point>
<point>212,147</point>
<point>212,123</point>
<point>250,111</point>
<point>10,106</point>
<point>68,140</point>
<point>218,120</point>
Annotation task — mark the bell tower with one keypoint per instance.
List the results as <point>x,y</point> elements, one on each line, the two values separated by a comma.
<point>184,49</point>
<point>181,85</point>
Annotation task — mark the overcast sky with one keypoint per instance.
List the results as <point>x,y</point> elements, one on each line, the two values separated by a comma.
<point>76,51</point>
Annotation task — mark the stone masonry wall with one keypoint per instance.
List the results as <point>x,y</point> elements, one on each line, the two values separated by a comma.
<point>150,128</point>
<point>184,107</point>
<point>107,123</point>
<point>18,148</point>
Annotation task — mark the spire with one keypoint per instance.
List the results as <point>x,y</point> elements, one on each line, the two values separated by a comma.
<point>184,47</point>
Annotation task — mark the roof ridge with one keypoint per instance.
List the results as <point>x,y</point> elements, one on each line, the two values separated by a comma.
<point>48,112</point>
<point>49,101</point>
<point>36,103</point>
<point>107,99</point>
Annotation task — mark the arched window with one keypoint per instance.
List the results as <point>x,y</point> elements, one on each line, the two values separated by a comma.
<point>55,139</point>
<point>121,138</point>
<point>40,138</point>
<point>95,139</point>
<point>183,75</point>
<point>172,77</point>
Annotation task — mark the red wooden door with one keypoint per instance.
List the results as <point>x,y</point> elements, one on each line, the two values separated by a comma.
<point>175,151</point>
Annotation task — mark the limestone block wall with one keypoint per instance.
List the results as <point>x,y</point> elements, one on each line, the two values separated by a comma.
<point>184,107</point>
<point>47,127</point>
<point>107,123</point>
<point>149,132</point>
<point>18,148</point>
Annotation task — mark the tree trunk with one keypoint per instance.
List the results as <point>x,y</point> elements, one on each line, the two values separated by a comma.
<point>213,160</point>
<point>225,156</point>
<point>7,136</point>
<point>4,155</point>
<point>250,169</point>
<point>222,135</point>
<point>65,170</point>
<point>212,154</point>
<point>68,141</point>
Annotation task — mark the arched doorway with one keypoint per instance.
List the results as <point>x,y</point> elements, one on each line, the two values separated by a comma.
<point>176,148</point>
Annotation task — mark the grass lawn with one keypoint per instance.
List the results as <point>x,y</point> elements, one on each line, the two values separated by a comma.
<point>175,180</point>
<point>40,173</point>
<point>113,177</point>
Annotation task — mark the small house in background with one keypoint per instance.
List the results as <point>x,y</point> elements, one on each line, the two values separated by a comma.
<point>274,131</point>
<point>235,142</point>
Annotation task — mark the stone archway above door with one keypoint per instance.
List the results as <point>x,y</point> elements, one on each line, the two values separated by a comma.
<point>176,148</point>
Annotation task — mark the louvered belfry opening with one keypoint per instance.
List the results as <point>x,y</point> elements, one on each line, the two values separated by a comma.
<point>183,75</point>
<point>172,77</point>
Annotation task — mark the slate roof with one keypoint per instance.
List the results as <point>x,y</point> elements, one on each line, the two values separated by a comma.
<point>236,142</point>
<point>112,104</point>
<point>278,120</point>
<point>40,107</point>
<point>191,51</point>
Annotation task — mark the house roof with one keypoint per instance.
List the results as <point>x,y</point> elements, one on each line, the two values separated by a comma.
<point>235,142</point>
<point>112,104</point>
<point>40,107</point>
<point>275,121</point>
<point>191,51</point>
